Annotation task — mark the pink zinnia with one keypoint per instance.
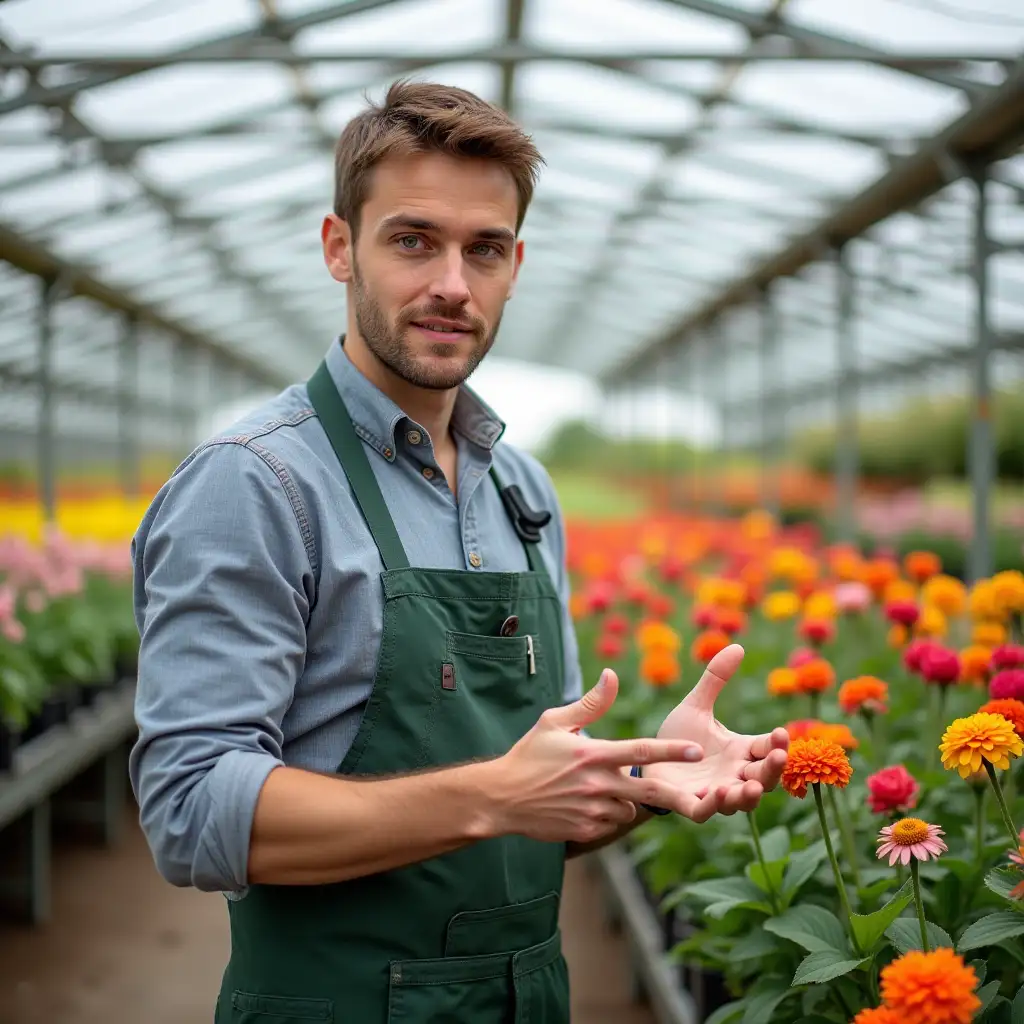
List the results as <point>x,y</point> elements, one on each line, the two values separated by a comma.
<point>914,651</point>
<point>801,656</point>
<point>892,790</point>
<point>852,598</point>
<point>1008,683</point>
<point>940,665</point>
<point>1007,656</point>
<point>910,837</point>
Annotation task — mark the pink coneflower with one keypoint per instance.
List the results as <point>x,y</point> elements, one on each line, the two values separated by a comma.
<point>910,837</point>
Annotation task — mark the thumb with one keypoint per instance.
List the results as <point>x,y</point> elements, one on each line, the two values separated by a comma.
<point>591,706</point>
<point>719,671</point>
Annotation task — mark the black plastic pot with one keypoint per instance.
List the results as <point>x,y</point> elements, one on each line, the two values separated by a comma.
<point>54,712</point>
<point>9,741</point>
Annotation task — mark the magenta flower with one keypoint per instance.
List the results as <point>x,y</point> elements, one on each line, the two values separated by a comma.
<point>1008,683</point>
<point>910,837</point>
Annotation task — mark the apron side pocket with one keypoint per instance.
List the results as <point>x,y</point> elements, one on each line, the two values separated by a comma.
<point>252,1008</point>
<point>439,991</point>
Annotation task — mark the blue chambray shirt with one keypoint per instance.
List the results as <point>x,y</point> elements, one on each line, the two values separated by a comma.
<point>260,609</point>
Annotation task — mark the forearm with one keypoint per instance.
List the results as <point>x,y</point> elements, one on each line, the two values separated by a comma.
<point>311,829</point>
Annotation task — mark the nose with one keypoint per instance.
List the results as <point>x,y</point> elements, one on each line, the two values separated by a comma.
<point>449,286</point>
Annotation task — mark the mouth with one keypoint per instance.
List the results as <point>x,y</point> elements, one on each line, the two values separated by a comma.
<point>443,330</point>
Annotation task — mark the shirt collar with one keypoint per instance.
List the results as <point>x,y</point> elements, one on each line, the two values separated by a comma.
<point>377,418</point>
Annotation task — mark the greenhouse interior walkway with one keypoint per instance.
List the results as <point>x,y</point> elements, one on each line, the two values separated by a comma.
<point>124,946</point>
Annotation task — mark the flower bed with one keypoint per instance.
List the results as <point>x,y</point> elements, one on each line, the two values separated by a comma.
<point>882,882</point>
<point>66,630</point>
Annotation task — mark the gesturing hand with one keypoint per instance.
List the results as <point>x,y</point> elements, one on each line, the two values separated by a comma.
<point>737,769</point>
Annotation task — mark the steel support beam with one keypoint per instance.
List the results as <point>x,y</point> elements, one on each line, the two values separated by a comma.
<point>846,399</point>
<point>46,426</point>
<point>981,451</point>
<point>768,351</point>
<point>992,129</point>
<point>128,407</point>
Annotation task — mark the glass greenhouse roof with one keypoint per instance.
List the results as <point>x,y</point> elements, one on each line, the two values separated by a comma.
<point>179,152</point>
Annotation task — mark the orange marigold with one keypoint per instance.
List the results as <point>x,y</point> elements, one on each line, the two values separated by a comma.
<point>815,676</point>
<point>782,682</point>
<point>921,565</point>
<point>707,644</point>
<point>974,664</point>
<point>865,693</point>
<point>988,634</point>
<point>1011,709</point>
<point>931,988</point>
<point>877,1015</point>
<point>813,761</point>
<point>897,636</point>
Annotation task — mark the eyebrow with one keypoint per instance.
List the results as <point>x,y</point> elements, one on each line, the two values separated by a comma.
<point>401,220</point>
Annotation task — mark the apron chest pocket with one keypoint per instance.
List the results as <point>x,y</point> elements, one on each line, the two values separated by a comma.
<point>249,1008</point>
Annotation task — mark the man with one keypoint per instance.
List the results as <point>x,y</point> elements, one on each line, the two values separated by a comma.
<point>359,694</point>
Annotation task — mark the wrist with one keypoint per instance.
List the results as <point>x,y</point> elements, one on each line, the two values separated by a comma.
<point>480,788</point>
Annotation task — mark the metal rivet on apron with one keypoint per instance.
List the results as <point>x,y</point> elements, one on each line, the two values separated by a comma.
<point>447,676</point>
<point>509,626</point>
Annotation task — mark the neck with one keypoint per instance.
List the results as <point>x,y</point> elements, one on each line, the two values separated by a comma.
<point>430,409</point>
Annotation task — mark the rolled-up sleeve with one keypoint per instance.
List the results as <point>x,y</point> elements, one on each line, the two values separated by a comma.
<point>223,586</point>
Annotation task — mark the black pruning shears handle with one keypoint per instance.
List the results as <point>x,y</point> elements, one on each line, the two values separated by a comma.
<point>526,522</point>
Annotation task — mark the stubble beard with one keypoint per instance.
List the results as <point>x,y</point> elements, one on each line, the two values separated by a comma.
<point>388,342</point>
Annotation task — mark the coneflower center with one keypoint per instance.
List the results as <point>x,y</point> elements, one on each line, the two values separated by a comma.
<point>908,831</point>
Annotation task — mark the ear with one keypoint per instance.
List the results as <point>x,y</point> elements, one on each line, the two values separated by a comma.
<point>520,251</point>
<point>336,237</point>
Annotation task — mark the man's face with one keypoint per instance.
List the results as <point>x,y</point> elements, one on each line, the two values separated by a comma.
<point>433,264</point>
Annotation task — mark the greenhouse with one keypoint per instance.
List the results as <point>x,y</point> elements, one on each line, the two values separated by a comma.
<point>766,351</point>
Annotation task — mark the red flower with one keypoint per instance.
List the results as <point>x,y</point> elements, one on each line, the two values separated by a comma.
<point>801,656</point>
<point>610,646</point>
<point>817,631</point>
<point>1008,656</point>
<point>902,612</point>
<point>600,597</point>
<point>892,790</point>
<point>617,625</point>
<point>672,569</point>
<point>704,616</point>
<point>1008,683</point>
<point>914,651</point>
<point>940,665</point>
<point>730,620</point>
<point>660,606</point>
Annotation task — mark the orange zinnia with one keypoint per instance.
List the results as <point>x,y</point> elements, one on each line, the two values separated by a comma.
<point>659,667</point>
<point>865,693</point>
<point>815,676</point>
<point>782,682</point>
<point>1011,709</point>
<point>814,761</point>
<point>835,732</point>
<point>707,644</point>
<point>975,664</point>
<point>931,988</point>
<point>922,565</point>
<point>877,1015</point>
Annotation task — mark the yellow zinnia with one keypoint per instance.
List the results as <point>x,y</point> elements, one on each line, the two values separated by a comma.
<point>946,593</point>
<point>988,634</point>
<point>782,682</point>
<point>931,622</point>
<point>971,741</point>
<point>820,605</point>
<point>899,590</point>
<point>1008,588</point>
<point>983,602</point>
<point>780,605</point>
<point>657,636</point>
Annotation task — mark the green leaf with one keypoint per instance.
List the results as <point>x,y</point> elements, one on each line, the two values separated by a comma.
<point>727,1013</point>
<point>869,893</point>
<point>802,866</point>
<point>761,1005</point>
<point>755,944</point>
<point>998,1011</point>
<point>1002,880</point>
<point>869,928</point>
<point>980,969</point>
<point>991,930</point>
<point>824,966</point>
<point>813,928</point>
<point>905,934</point>
<point>1017,1013</point>
<point>986,995</point>
<point>770,882</point>
<point>775,844</point>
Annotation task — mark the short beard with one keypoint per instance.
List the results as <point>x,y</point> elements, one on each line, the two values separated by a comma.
<point>387,342</point>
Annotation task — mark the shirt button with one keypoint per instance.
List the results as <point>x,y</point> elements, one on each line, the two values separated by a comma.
<point>414,437</point>
<point>475,560</point>
<point>428,472</point>
<point>387,453</point>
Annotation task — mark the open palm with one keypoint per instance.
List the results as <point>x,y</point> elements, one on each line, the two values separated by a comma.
<point>737,769</point>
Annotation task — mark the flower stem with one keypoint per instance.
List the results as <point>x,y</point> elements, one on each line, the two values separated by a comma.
<point>846,835</point>
<point>840,884</point>
<point>1001,800</point>
<point>815,704</point>
<point>915,874</point>
<point>772,896</point>
<point>979,837</point>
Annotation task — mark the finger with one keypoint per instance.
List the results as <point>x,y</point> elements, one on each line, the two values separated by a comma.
<point>767,772</point>
<point>719,671</point>
<point>618,753</point>
<point>741,798</point>
<point>616,812</point>
<point>697,809</point>
<point>762,746</point>
<point>590,707</point>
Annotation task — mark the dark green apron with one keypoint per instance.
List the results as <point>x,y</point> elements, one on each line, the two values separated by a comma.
<point>470,937</point>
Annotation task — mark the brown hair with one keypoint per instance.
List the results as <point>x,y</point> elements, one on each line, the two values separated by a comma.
<point>418,117</point>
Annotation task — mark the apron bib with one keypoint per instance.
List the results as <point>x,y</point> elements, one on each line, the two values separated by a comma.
<point>470,937</point>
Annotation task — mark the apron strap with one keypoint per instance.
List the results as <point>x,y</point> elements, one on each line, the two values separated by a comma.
<point>348,446</point>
